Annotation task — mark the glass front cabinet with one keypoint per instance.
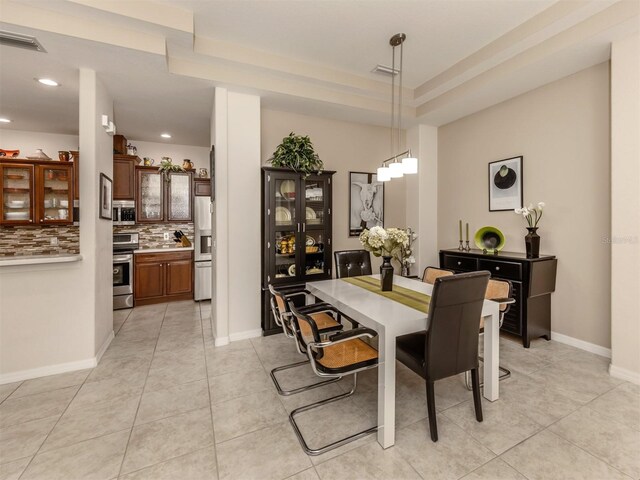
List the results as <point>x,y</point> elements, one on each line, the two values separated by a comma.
<point>296,232</point>
<point>36,193</point>
<point>159,200</point>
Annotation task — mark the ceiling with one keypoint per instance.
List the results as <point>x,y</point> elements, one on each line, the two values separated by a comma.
<point>161,59</point>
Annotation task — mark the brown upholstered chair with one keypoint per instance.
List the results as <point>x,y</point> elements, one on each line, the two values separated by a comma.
<point>431,273</point>
<point>341,354</point>
<point>499,291</point>
<point>449,346</point>
<point>327,319</point>
<point>352,263</point>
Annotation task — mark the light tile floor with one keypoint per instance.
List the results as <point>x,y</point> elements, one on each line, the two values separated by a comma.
<point>164,403</point>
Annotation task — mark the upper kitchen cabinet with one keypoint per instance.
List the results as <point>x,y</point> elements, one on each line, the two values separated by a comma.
<point>124,176</point>
<point>159,200</point>
<point>36,192</point>
<point>202,187</point>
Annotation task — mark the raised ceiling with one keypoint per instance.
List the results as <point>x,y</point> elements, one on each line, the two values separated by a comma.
<point>160,59</point>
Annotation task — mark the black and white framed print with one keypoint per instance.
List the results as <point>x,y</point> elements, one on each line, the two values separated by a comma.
<point>505,184</point>
<point>366,202</point>
<point>106,198</point>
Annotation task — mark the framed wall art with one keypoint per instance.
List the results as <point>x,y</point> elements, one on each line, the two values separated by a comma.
<point>505,184</point>
<point>105,208</point>
<point>366,202</point>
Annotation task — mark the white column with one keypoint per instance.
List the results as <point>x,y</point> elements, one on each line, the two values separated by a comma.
<point>625,209</point>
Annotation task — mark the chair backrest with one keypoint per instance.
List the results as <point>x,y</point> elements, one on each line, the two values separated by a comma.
<point>498,289</point>
<point>304,327</point>
<point>454,322</point>
<point>431,273</point>
<point>352,263</point>
<point>280,311</point>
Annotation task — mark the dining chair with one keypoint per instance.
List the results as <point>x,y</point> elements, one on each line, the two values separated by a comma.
<point>500,291</point>
<point>342,353</point>
<point>327,319</point>
<point>431,273</point>
<point>352,263</point>
<point>449,345</point>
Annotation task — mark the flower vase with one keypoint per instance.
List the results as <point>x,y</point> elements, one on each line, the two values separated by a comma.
<point>405,271</point>
<point>386,274</point>
<point>532,243</point>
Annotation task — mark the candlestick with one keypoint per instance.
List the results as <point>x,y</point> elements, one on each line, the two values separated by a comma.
<point>467,232</point>
<point>461,246</point>
<point>460,231</point>
<point>467,248</point>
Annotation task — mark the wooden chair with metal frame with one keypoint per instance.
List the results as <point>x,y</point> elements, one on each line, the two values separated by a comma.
<point>449,346</point>
<point>499,291</point>
<point>326,317</point>
<point>341,354</point>
<point>431,273</point>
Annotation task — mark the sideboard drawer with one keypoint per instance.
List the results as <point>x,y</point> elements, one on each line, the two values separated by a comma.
<point>465,264</point>
<point>510,270</point>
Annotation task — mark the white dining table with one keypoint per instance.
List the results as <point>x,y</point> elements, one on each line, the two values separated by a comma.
<point>391,319</point>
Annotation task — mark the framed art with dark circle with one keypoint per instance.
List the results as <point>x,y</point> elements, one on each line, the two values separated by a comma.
<point>505,184</point>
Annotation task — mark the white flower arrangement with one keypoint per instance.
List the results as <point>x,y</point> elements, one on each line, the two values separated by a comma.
<point>531,214</point>
<point>384,242</point>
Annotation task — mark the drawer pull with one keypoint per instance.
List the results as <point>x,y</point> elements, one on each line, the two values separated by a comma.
<point>497,268</point>
<point>459,263</point>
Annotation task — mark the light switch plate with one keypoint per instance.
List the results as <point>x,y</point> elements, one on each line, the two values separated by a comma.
<point>166,236</point>
<point>53,241</point>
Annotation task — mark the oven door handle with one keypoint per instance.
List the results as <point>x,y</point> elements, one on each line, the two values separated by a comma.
<point>122,258</point>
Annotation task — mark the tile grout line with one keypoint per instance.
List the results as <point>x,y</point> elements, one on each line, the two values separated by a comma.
<point>140,399</point>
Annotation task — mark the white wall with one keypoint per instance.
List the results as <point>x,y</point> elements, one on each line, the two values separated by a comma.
<point>625,209</point>
<point>28,142</point>
<point>562,130</point>
<point>237,216</point>
<point>156,150</point>
<point>57,318</point>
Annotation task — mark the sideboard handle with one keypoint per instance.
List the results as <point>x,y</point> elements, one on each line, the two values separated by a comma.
<point>497,268</point>
<point>459,263</point>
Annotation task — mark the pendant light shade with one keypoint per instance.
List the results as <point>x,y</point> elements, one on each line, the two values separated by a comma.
<point>383,174</point>
<point>410,165</point>
<point>396,170</point>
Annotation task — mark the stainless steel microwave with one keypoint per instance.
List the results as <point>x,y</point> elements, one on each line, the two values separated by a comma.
<point>124,212</point>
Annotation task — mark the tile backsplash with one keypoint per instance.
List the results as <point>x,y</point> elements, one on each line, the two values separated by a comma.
<point>152,235</point>
<point>27,240</point>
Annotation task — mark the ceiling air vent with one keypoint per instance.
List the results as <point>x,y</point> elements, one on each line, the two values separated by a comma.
<point>384,70</point>
<point>11,39</point>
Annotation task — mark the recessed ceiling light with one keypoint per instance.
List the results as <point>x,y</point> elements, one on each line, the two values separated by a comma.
<point>4,120</point>
<point>165,135</point>
<point>48,82</point>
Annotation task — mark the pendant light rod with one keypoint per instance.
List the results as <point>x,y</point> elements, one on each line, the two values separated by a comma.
<point>395,157</point>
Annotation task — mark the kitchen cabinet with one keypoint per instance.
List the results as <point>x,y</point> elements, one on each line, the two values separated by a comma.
<point>160,201</point>
<point>75,158</point>
<point>533,281</point>
<point>124,176</point>
<point>36,192</point>
<point>296,232</point>
<point>202,187</point>
<point>162,277</point>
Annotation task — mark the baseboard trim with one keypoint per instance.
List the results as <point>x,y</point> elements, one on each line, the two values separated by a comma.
<point>581,344</point>
<point>221,341</point>
<point>624,374</point>
<point>104,346</point>
<point>234,337</point>
<point>48,370</point>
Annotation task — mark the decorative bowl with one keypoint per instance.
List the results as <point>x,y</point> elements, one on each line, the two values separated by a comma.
<point>490,239</point>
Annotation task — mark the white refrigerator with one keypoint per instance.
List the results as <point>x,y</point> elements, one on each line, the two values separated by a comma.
<point>202,248</point>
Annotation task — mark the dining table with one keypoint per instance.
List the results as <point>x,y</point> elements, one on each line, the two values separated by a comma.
<point>391,319</point>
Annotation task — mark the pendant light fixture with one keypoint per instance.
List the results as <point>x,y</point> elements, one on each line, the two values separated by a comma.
<point>401,163</point>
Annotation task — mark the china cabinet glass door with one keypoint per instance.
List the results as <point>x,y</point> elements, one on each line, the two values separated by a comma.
<point>317,259</point>
<point>285,224</point>
<point>55,194</point>
<point>150,196</point>
<point>17,194</point>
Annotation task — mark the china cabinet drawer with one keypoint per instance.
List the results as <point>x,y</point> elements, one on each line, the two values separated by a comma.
<point>463,264</point>
<point>509,270</point>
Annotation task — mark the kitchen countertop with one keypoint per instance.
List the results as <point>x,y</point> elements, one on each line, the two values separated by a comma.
<point>163,249</point>
<point>39,259</point>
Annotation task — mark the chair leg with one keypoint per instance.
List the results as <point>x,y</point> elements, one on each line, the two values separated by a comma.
<point>506,373</point>
<point>477,401</point>
<point>318,451</point>
<point>431,410</point>
<point>304,388</point>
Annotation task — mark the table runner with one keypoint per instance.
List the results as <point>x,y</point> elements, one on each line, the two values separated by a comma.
<point>406,296</point>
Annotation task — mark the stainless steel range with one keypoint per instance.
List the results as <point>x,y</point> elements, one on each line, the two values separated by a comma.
<point>123,246</point>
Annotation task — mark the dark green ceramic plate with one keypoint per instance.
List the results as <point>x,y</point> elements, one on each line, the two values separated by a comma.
<point>490,239</point>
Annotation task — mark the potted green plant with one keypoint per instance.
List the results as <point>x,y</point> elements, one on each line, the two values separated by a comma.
<point>296,152</point>
<point>167,166</point>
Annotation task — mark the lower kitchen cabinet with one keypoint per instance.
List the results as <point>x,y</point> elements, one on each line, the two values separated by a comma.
<point>163,277</point>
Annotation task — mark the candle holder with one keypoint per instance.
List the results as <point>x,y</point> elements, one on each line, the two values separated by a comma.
<point>461,247</point>
<point>467,247</point>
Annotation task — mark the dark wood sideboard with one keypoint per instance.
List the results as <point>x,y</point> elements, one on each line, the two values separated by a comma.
<point>533,280</point>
